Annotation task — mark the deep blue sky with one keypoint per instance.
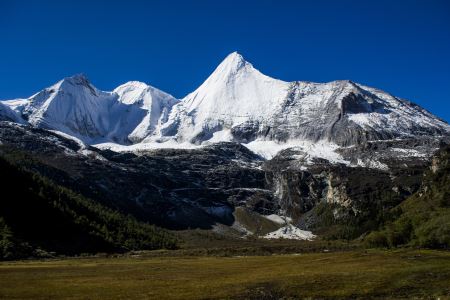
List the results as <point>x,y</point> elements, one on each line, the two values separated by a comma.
<point>402,47</point>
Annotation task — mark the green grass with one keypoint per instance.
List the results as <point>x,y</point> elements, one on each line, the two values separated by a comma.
<point>351,274</point>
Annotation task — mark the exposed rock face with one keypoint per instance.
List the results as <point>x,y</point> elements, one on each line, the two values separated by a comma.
<point>171,188</point>
<point>361,190</point>
<point>440,160</point>
<point>201,187</point>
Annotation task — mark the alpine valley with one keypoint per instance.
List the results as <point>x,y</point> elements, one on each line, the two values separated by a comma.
<point>243,157</point>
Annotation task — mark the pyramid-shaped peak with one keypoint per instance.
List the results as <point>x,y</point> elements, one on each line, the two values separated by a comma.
<point>233,60</point>
<point>233,64</point>
<point>235,56</point>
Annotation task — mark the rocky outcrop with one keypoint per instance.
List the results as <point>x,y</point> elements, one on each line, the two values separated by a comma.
<point>351,191</point>
<point>172,188</point>
<point>198,188</point>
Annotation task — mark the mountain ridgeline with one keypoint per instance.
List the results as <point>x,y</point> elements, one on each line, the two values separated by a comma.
<point>243,155</point>
<point>235,103</point>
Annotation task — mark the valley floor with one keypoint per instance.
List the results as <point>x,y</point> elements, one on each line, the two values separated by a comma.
<point>351,274</point>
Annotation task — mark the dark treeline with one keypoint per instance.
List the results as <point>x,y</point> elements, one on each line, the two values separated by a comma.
<point>39,217</point>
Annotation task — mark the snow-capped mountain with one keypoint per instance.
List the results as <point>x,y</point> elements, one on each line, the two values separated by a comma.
<point>236,95</point>
<point>235,103</point>
<point>339,143</point>
<point>74,106</point>
<point>238,103</point>
<point>144,105</point>
<point>8,114</point>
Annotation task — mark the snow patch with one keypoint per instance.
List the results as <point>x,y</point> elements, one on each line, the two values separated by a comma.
<point>321,149</point>
<point>70,137</point>
<point>372,164</point>
<point>409,152</point>
<point>221,136</point>
<point>278,219</point>
<point>290,232</point>
<point>146,146</point>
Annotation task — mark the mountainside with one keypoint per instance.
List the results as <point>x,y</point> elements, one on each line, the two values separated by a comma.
<point>423,219</point>
<point>236,103</point>
<point>39,217</point>
<point>7,114</point>
<point>225,187</point>
<point>177,189</point>
<point>75,107</point>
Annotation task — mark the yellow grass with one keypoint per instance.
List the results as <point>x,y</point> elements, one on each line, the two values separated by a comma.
<point>357,274</point>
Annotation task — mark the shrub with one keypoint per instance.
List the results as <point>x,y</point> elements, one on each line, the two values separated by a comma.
<point>376,239</point>
<point>6,241</point>
<point>435,233</point>
<point>400,232</point>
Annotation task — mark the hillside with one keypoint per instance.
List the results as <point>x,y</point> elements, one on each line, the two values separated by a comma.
<point>39,217</point>
<point>424,218</point>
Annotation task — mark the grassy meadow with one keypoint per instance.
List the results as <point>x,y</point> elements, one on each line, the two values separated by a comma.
<point>360,274</point>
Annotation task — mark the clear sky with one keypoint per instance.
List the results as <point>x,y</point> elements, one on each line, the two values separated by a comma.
<point>402,47</point>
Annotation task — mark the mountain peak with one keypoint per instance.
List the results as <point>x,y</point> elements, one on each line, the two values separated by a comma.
<point>135,91</point>
<point>75,81</point>
<point>232,64</point>
<point>234,56</point>
<point>138,86</point>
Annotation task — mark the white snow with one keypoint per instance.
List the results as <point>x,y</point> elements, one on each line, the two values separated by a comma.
<point>8,114</point>
<point>234,96</point>
<point>70,137</point>
<point>74,106</point>
<point>15,104</point>
<point>146,146</point>
<point>290,232</point>
<point>149,106</point>
<point>399,115</point>
<point>372,164</point>
<point>235,93</point>
<point>321,149</point>
<point>408,152</point>
<point>267,149</point>
<point>278,219</point>
<point>221,136</point>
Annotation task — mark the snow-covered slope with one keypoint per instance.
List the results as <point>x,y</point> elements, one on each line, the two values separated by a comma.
<point>239,103</point>
<point>236,94</point>
<point>8,114</point>
<point>146,109</point>
<point>235,103</point>
<point>75,107</point>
